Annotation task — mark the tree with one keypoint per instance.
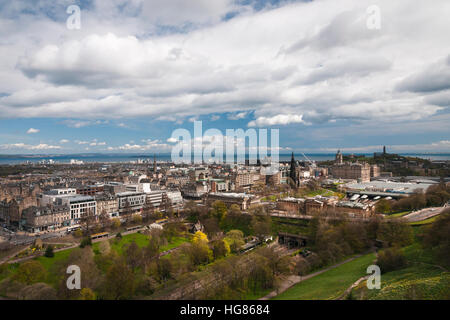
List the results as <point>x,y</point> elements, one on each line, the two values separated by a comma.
<point>261,276</point>
<point>391,259</point>
<point>104,247</point>
<point>115,223</point>
<point>235,209</point>
<point>119,282</point>
<point>104,219</point>
<point>199,253</point>
<point>171,230</point>
<point>261,226</point>
<point>199,237</point>
<point>147,210</point>
<point>211,226</point>
<point>436,237</point>
<point>235,240</point>
<point>222,269</point>
<point>86,241</point>
<point>395,232</point>
<point>164,269</point>
<point>220,249</point>
<point>277,263</point>
<point>88,220</point>
<point>38,291</point>
<point>137,218</point>
<point>87,294</point>
<point>133,255</point>
<point>30,272</point>
<point>302,266</point>
<point>152,249</point>
<point>219,210</point>
<point>91,277</point>
<point>383,206</point>
<point>49,252</point>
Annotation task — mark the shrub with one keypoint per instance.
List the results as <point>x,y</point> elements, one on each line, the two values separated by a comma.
<point>85,242</point>
<point>30,272</point>
<point>49,252</point>
<point>436,237</point>
<point>78,233</point>
<point>115,223</point>
<point>395,233</point>
<point>391,259</point>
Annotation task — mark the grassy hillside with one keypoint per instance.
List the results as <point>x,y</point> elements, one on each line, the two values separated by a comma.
<point>422,279</point>
<point>330,284</point>
<point>419,281</point>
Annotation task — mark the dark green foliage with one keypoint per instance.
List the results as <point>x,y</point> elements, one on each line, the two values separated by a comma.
<point>395,233</point>
<point>49,252</point>
<point>437,238</point>
<point>391,259</point>
<point>219,249</point>
<point>86,241</point>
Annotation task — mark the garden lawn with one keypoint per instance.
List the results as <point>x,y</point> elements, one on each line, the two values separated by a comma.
<point>48,263</point>
<point>330,284</point>
<point>176,241</point>
<point>141,240</point>
<point>398,215</point>
<point>426,221</point>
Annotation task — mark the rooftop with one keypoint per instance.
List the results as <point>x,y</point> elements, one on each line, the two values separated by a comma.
<point>389,186</point>
<point>231,194</point>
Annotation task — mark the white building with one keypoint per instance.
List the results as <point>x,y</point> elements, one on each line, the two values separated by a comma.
<point>138,187</point>
<point>78,204</point>
<point>63,191</point>
<point>133,201</point>
<point>175,197</point>
<point>155,198</point>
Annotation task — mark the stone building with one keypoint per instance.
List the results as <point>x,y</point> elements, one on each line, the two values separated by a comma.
<point>11,211</point>
<point>107,203</point>
<point>241,199</point>
<point>291,205</point>
<point>358,171</point>
<point>37,219</point>
<point>374,171</point>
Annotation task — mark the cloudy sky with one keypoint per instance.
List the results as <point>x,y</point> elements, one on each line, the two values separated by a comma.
<point>137,70</point>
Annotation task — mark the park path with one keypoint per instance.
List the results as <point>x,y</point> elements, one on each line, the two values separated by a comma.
<point>38,255</point>
<point>357,282</point>
<point>349,289</point>
<point>424,214</point>
<point>294,279</point>
<point>73,245</point>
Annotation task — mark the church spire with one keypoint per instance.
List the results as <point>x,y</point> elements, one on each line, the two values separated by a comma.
<point>292,171</point>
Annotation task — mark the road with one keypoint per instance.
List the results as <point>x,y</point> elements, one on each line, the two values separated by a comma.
<point>22,238</point>
<point>423,214</point>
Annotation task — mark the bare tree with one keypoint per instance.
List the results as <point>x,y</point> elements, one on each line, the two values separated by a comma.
<point>88,220</point>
